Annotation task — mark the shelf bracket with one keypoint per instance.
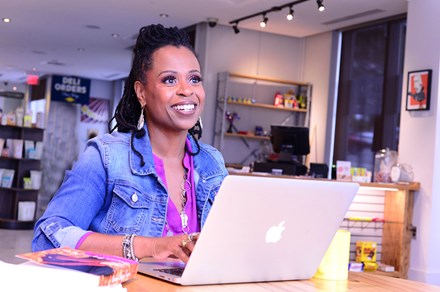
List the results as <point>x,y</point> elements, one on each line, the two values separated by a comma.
<point>413,229</point>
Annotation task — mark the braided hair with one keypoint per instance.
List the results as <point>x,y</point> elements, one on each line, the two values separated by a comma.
<point>127,113</point>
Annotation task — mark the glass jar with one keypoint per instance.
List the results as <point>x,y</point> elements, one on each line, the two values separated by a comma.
<point>265,151</point>
<point>384,160</point>
<point>402,173</point>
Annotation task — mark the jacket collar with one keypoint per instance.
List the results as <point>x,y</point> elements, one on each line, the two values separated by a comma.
<point>143,146</point>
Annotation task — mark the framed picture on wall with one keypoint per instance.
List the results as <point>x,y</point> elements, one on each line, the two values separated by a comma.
<point>419,90</point>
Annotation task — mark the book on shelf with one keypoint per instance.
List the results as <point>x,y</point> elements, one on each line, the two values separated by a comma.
<point>106,270</point>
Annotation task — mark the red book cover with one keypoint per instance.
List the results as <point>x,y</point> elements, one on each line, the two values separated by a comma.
<point>110,269</point>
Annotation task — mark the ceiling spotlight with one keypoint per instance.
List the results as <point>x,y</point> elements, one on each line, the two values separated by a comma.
<point>321,6</point>
<point>290,15</point>
<point>6,20</point>
<point>263,23</point>
<point>235,27</point>
<point>115,35</point>
<point>163,15</point>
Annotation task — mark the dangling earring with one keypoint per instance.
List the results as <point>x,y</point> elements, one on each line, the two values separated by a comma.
<point>141,120</point>
<point>200,124</point>
<point>198,127</point>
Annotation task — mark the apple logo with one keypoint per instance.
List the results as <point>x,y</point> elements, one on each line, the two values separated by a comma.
<point>273,234</point>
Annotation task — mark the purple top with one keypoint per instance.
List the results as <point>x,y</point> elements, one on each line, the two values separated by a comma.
<point>174,224</point>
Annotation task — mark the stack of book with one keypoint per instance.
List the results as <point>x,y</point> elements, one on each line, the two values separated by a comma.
<point>66,269</point>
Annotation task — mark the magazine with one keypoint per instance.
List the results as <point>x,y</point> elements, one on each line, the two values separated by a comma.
<point>111,270</point>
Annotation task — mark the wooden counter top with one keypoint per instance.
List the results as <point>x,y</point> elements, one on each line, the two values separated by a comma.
<point>364,282</point>
<point>411,186</point>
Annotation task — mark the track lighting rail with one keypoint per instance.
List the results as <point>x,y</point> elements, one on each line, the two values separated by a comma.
<point>273,9</point>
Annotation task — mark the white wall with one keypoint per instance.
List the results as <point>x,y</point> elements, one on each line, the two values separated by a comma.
<point>251,53</point>
<point>420,139</point>
<point>318,59</point>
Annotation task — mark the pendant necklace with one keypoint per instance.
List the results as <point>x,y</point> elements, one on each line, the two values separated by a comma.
<point>185,186</point>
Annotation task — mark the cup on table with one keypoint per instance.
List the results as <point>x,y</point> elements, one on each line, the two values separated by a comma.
<point>334,265</point>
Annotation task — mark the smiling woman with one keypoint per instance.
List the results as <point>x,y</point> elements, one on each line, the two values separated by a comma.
<point>144,190</point>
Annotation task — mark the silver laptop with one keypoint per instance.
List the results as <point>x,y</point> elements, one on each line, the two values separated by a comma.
<point>262,229</point>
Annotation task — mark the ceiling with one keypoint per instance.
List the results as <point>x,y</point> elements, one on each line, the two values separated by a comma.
<point>75,37</point>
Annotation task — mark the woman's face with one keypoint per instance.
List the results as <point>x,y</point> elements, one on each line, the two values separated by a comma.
<point>172,93</point>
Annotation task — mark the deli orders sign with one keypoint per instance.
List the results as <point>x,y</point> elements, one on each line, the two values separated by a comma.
<point>70,89</point>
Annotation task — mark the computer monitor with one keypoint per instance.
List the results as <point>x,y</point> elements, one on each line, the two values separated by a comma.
<point>289,139</point>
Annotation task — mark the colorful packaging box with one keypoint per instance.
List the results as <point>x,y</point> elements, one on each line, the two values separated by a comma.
<point>343,170</point>
<point>366,251</point>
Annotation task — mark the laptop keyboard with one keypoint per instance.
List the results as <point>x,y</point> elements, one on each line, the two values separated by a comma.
<point>172,271</point>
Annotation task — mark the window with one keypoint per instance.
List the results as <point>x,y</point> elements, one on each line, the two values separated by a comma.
<point>370,91</point>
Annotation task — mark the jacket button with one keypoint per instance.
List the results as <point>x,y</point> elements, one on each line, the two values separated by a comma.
<point>134,197</point>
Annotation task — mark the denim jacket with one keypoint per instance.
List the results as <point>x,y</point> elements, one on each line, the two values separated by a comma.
<point>108,191</point>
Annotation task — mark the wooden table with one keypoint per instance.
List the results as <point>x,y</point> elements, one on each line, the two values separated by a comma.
<point>363,282</point>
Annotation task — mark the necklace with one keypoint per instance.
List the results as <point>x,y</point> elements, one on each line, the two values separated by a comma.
<point>185,186</point>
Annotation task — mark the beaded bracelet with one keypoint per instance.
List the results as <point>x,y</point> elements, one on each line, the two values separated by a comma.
<point>128,247</point>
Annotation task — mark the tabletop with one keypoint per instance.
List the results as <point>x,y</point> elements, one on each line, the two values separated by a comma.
<point>362,281</point>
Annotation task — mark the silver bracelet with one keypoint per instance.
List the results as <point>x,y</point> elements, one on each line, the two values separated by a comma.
<point>128,247</point>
